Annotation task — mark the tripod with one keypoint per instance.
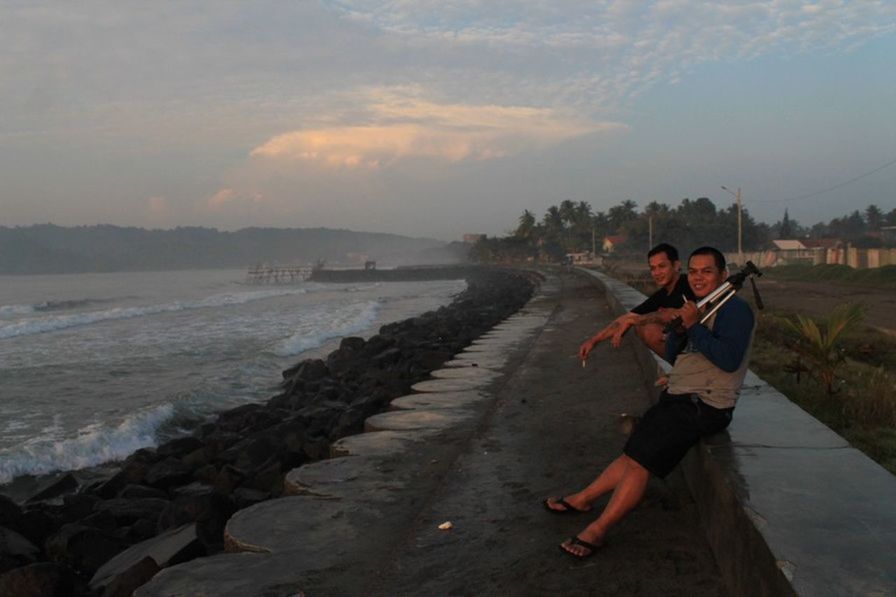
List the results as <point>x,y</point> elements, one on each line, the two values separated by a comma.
<point>721,295</point>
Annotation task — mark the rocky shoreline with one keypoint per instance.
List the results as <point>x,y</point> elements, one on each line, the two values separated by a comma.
<point>169,505</point>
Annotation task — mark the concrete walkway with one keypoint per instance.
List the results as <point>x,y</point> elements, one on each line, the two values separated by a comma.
<point>479,450</point>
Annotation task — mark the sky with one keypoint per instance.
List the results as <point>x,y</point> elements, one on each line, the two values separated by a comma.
<point>437,119</point>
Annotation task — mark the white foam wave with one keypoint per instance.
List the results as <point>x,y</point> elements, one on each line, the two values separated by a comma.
<point>95,444</point>
<point>41,325</point>
<point>14,310</point>
<point>323,325</point>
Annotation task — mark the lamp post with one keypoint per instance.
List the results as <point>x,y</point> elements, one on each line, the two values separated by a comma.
<point>740,228</point>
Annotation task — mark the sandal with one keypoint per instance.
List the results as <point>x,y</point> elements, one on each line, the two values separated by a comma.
<point>591,547</point>
<point>567,507</point>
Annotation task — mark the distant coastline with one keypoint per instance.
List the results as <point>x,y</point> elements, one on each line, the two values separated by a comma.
<point>51,249</point>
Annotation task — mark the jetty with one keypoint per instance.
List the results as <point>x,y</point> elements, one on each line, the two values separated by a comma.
<point>279,274</point>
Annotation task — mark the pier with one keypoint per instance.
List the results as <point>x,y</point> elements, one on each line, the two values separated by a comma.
<point>279,274</point>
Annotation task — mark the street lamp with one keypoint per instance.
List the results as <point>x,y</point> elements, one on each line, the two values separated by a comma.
<point>740,228</point>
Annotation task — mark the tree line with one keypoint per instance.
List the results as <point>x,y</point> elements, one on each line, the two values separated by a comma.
<point>573,227</point>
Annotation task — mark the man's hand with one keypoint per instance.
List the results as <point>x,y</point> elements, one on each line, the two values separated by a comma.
<point>625,322</point>
<point>586,347</point>
<point>689,314</point>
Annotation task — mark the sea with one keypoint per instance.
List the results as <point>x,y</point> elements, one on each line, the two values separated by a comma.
<point>96,366</point>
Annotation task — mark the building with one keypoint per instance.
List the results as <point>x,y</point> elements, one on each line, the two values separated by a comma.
<point>611,243</point>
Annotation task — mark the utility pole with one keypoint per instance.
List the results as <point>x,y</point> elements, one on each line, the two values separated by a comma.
<point>740,227</point>
<point>593,252</point>
<point>649,232</point>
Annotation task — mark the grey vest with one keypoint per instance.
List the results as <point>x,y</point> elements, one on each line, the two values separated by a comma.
<point>693,373</point>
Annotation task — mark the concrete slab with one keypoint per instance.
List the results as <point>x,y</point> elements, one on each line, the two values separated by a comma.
<point>472,362</point>
<point>492,343</point>
<point>471,373</point>
<point>438,400</point>
<point>449,385</point>
<point>416,420</point>
<point>477,349</point>
<point>316,532</point>
<point>828,540</point>
<point>481,359</point>
<point>766,418</point>
<point>360,478</point>
<point>376,443</point>
<point>225,575</point>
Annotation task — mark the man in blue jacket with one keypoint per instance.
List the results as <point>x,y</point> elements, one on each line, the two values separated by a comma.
<point>709,364</point>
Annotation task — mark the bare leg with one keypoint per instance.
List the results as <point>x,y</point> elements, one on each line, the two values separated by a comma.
<point>604,483</point>
<point>651,334</point>
<point>629,491</point>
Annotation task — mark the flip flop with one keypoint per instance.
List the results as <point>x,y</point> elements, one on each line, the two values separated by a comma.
<point>591,547</point>
<point>568,508</point>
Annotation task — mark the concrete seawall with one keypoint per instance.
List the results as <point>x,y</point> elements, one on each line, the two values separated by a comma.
<point>788,505</point>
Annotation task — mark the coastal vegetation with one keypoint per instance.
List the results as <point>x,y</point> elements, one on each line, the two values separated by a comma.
<point>572,227</point>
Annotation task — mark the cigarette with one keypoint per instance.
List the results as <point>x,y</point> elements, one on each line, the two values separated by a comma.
<point>583,363</point>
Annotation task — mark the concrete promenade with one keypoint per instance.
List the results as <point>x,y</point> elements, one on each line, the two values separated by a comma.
<point>513,419</point>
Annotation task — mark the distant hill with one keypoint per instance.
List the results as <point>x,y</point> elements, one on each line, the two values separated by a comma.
<point>50,249</point>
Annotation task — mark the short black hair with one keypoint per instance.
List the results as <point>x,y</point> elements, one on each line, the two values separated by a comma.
<point>716,254</point>
<point>670,251</point>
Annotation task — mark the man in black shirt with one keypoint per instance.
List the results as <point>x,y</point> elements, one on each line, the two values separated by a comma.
<point>650,317</point>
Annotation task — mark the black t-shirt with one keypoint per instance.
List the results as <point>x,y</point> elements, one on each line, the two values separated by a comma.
<point>661,300</point>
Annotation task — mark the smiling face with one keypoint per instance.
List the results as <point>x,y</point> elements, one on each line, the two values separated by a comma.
<point>704,275</point>
<point>663,271</point>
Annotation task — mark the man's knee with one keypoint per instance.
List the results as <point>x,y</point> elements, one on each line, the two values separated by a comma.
<point>634,467</point>
<point>650,334</point>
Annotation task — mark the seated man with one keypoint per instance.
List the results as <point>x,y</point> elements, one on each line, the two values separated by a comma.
<point>649,317</point>
<point>709,364</point>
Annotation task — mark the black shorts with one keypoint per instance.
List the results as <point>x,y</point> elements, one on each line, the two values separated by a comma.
<point>669,428</point>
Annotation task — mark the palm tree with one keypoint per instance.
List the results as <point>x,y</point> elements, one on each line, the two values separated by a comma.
<point>821,345</point>
<point>568,215</point>
<point>553,222</point>
<point>526,225</point>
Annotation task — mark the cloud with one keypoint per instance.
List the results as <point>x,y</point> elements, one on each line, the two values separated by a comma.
<point>227,196</point>
<point>157,205</point>
<point>612,50</point>
<point>401,125</point>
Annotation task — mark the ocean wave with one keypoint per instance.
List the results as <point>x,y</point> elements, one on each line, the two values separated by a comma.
<point>53,323</point>
<point>64,305</point>
<point>324,325</point>
<point>14,310</point>
<point>94,445</point>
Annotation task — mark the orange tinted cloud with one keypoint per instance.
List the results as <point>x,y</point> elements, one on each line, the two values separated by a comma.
<point>407,128</point>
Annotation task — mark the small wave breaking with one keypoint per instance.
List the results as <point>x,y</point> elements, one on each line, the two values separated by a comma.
<point>53,323</point>
<point>94,445</point>
<point>349,320</point>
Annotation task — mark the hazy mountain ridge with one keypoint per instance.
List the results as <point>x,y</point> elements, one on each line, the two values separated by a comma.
<point>50,249</point>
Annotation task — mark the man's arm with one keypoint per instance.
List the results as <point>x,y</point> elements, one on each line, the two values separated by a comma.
<point>617,326</point>
<point>727,343</point>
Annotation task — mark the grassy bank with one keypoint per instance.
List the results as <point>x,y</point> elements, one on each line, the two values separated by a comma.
<point>862,407</point>
<point>880,277</point>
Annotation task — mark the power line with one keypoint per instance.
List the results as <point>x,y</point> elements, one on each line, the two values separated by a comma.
<point>829,189</point>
